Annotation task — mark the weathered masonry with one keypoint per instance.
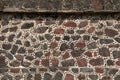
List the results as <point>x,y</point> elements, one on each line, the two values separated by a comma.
<point>59,39</point>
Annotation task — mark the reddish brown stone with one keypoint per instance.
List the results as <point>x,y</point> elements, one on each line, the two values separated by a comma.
<point>82,62</point>
<point>80,44</point>
<point>2,38</point>
<point>83,24</point>
<point>47,54</point>
<point>25,64</point>
<point>66,55</point>
<point>118,62</point>
<point>106,78</point>
<point>114,46</point>
<point>30,50</point>
<point>104,52</point>
<point>111,32</point>
<point>55,62</point>
<point>91,29</point>
<point>45,62</point>
<point>97,5</point>
<point>88,53</point>
<point>19,57</point>
<point>2,62</point>
<point>59,31</point>
<point>99,70</point>
<point>15,70</point>
<point>6,46</point>
<point>81,77</point>
<point>36,62</point>
<point>96,62</point>
<point>113,71</point>
<point>69,77</point>
<point>43,69</point>
<point>70,24</point>
<point>53,45</point>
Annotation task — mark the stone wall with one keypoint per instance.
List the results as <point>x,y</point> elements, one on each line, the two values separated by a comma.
<point>59,47</point>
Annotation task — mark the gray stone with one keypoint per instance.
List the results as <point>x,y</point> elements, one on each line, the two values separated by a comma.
<point>92,45</point>
<point>37,76</point>
<point>27,25</point>
<point>7,77</point>
<point>117,77</point>
<point>84,70</point>
<point>58,76</point>
<point>48,36</point>
<point>104,52</point>
<point>106,41</point>
<point>75,70</point>
<point>67,63</point>
<point>47,76</point>
<point>93,77</point>
<point>38,54</point>
<point>116,54</point>
<point>41,30</point>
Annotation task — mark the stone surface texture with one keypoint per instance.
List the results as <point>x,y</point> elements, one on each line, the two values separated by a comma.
<point>59,47</point>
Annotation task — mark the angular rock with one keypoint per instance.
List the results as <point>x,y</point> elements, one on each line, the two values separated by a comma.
<point>6,46</point>
<point>81,77</point>
<point>37,76</point>
<point>116,54</point>
<point>15,63</point>
<point>27,43</point>
<point>92,45</point>
<point>86,70</point>
<point>110,62</point>
<point>3,64</point>
<point>70,31</point>
<point>77,53</point>
<point>111,32</point>
<point>45,62</point>
<point>67,38</point>
<point>47,76</point>
<point>117,39</point>
<point>93,77</point>
<point>2,38</point>
<point>22,50</point>
<point>40,29</point>
<point>7,77</point>
<point>69,77</point>
<point>59,31</point>
<point>83,24</point>
<point>27,25</point>
<point>48,36</point>
<point>64,47</point>
<point>82,62</point>
<point>67,63</point>
<point>96,62</point>
<point>117,77</point>
<point>58,76</point>
<point>14,49</point>
<point>13,29</point>
<point>106,41</point>
<point>38,54</point>
<point>104,52</point>
<point>75,70</point>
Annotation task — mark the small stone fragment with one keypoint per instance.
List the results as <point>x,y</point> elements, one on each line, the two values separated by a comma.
<point>53,45</point>
<point>110,62</point>
<point>14,49</point>
<point>41,38</point>
<point>116,54</point>
<point>77,53</point>
<point>111,32</point>
<point>81,77</point>
<point>7,77</point>
<point>41,30</point>
<point>81,44</point>
<point>18,42</point>
<point>93,77</point>
<point>68,63</point>
<point>30,58</point>
<point>27,25</point>
<point>37,76</point>
<point>106,41</point>
<point>64,47</point>
<point>29,76</point>
<point>86,37</point>
<point>2,38</point>
<point>82,62</point>
<point>45,62</point>
<point>38,54</point>
<point>58,76</point>
<point>59,31</point>
<point>13,29</point>
<point>96,62</point>
<point>47,76</point>
<point>117,39</point>
<point>3,64</point>
<point>75,70</point>
<point>99,70</point>
<point>11,37</point>
<point>25,64</point>
<point>70,31</point>
<point>27,43</point>
<point>76,37</point>
<point>15,63</point>
<point>69,77</point>
<point>6,46</point>
<point>92,45</point>
<point>104,52</point>
<point>91,29</point>
<point>80,31</point>
<point>48,36</point>
<point>70,24</point>
<point>5,30</point>
<point>67,38</point>
<point>15,70</point>
<point>86,70</point>
<point>117,77</point>
<point>21,50</point>
<point>83,24</point>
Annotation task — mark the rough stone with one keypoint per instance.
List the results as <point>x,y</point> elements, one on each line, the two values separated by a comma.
<point>69,77</point>
<point>22,50</point>
<point>14,49</point>
<point>75,70</point>
<point>96,62</point>
<point>106,41</point>
<point>2,38</point>
<point>6,46</point>
<point>3,64</point>
<point>77,53</point>
<point>111,32</point>
<point>81,77</point>
<point>116,54</point>
<point>64,47</point>
<point>37,76</point>
<point>86,70</point>
<point>47,76</point>
<point>93,77</point>
<point>92,45</point>
<point>7,77</point>
<point>83,24</point>
<point>104,52</point>
<point>82,62</point>
<point>58,76</point>
<point>45,62</point>
<point>59,31</point>
<point>68,63</point>
<point>117,77</point>
<point>40,29</point>
<point>70,24</point>
<point>27,25</point>
<point>48,36</point>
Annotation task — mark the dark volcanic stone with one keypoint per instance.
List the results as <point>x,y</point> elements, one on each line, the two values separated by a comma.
<point>44,46</point>
<point>41,30</point>
<point>7,77</point>
<point>96,62</point>
<point>64,47</point>
<point>92,45</point>
<point>27,25</point>
<point>111,32</point>
<point>117,77</point>
<point>32,69</point>
<point>67,38</point>
<point>21,50</point>
<point>5,30</point>
<point>93,77</point>
<point>30,58</point>
<point>41,38</point>
<point>70,31</point>
<point>11,37</point>
<point>86,37</point>
<point>2,38</point>
<point>76,37</point>
<point>3,70</point>
<point>104,52</point>
<point>75,70</point>
<point>117,39</point>
<point>106,41</point>
<point>14,49</point>
<point>81,77</point>
<point>68,63</point>
<point>27,43</point>
<point>37,77</point>
<point>2,62</point>
<point>48,36</point>
<point>6,46</point>
<point>116,54</point>
<point>80,31</point>
<point>58,76</point>
<point>110,62</point>
<point>13,29</point>
<point>38,54</point>
<point>15,63</point>
<point>47,76</point>
<point>53,69</point>
<point>86,70</point>
<point>77,53</point>
<point>18,42</point>
<point>29,77</point>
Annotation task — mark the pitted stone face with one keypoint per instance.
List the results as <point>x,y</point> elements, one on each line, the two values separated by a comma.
<point>38,47</point>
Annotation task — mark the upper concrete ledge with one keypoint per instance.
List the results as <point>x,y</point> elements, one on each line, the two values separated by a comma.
<point>60,6</point>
